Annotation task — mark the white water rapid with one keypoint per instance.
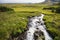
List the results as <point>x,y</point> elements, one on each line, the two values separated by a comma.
<point>34,23</point>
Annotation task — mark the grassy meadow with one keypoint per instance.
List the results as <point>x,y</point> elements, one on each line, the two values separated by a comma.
<point>16,22</point>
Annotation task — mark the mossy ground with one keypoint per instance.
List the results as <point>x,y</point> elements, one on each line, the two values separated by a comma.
<point>16,22</point>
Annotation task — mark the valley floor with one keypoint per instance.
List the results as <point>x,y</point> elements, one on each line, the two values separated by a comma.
<point>16,22</point>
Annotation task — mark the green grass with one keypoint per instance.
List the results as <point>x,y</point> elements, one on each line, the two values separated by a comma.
<point>16,22</point>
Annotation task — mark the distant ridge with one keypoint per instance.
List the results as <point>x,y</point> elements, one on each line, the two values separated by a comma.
<point>51,1</point>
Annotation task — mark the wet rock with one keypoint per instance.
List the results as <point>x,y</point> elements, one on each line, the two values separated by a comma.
<point>38,35</point>
<point>21,36</point>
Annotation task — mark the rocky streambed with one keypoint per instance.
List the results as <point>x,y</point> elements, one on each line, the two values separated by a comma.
<point>36,30</point>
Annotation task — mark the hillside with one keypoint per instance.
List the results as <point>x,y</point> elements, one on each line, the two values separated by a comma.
<point>51,1</point>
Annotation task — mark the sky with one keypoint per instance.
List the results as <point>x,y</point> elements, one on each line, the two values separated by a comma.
<point>21,1</point>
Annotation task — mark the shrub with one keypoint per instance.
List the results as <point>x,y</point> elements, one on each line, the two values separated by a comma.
<point>5,9</point>
<point>50,8</point>
<point>58,10</point>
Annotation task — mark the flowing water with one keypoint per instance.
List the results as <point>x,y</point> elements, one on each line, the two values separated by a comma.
<point>37,24</point>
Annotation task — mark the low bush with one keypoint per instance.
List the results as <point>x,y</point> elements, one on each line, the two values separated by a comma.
<point>58,10</point>
<point>5,9</point>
